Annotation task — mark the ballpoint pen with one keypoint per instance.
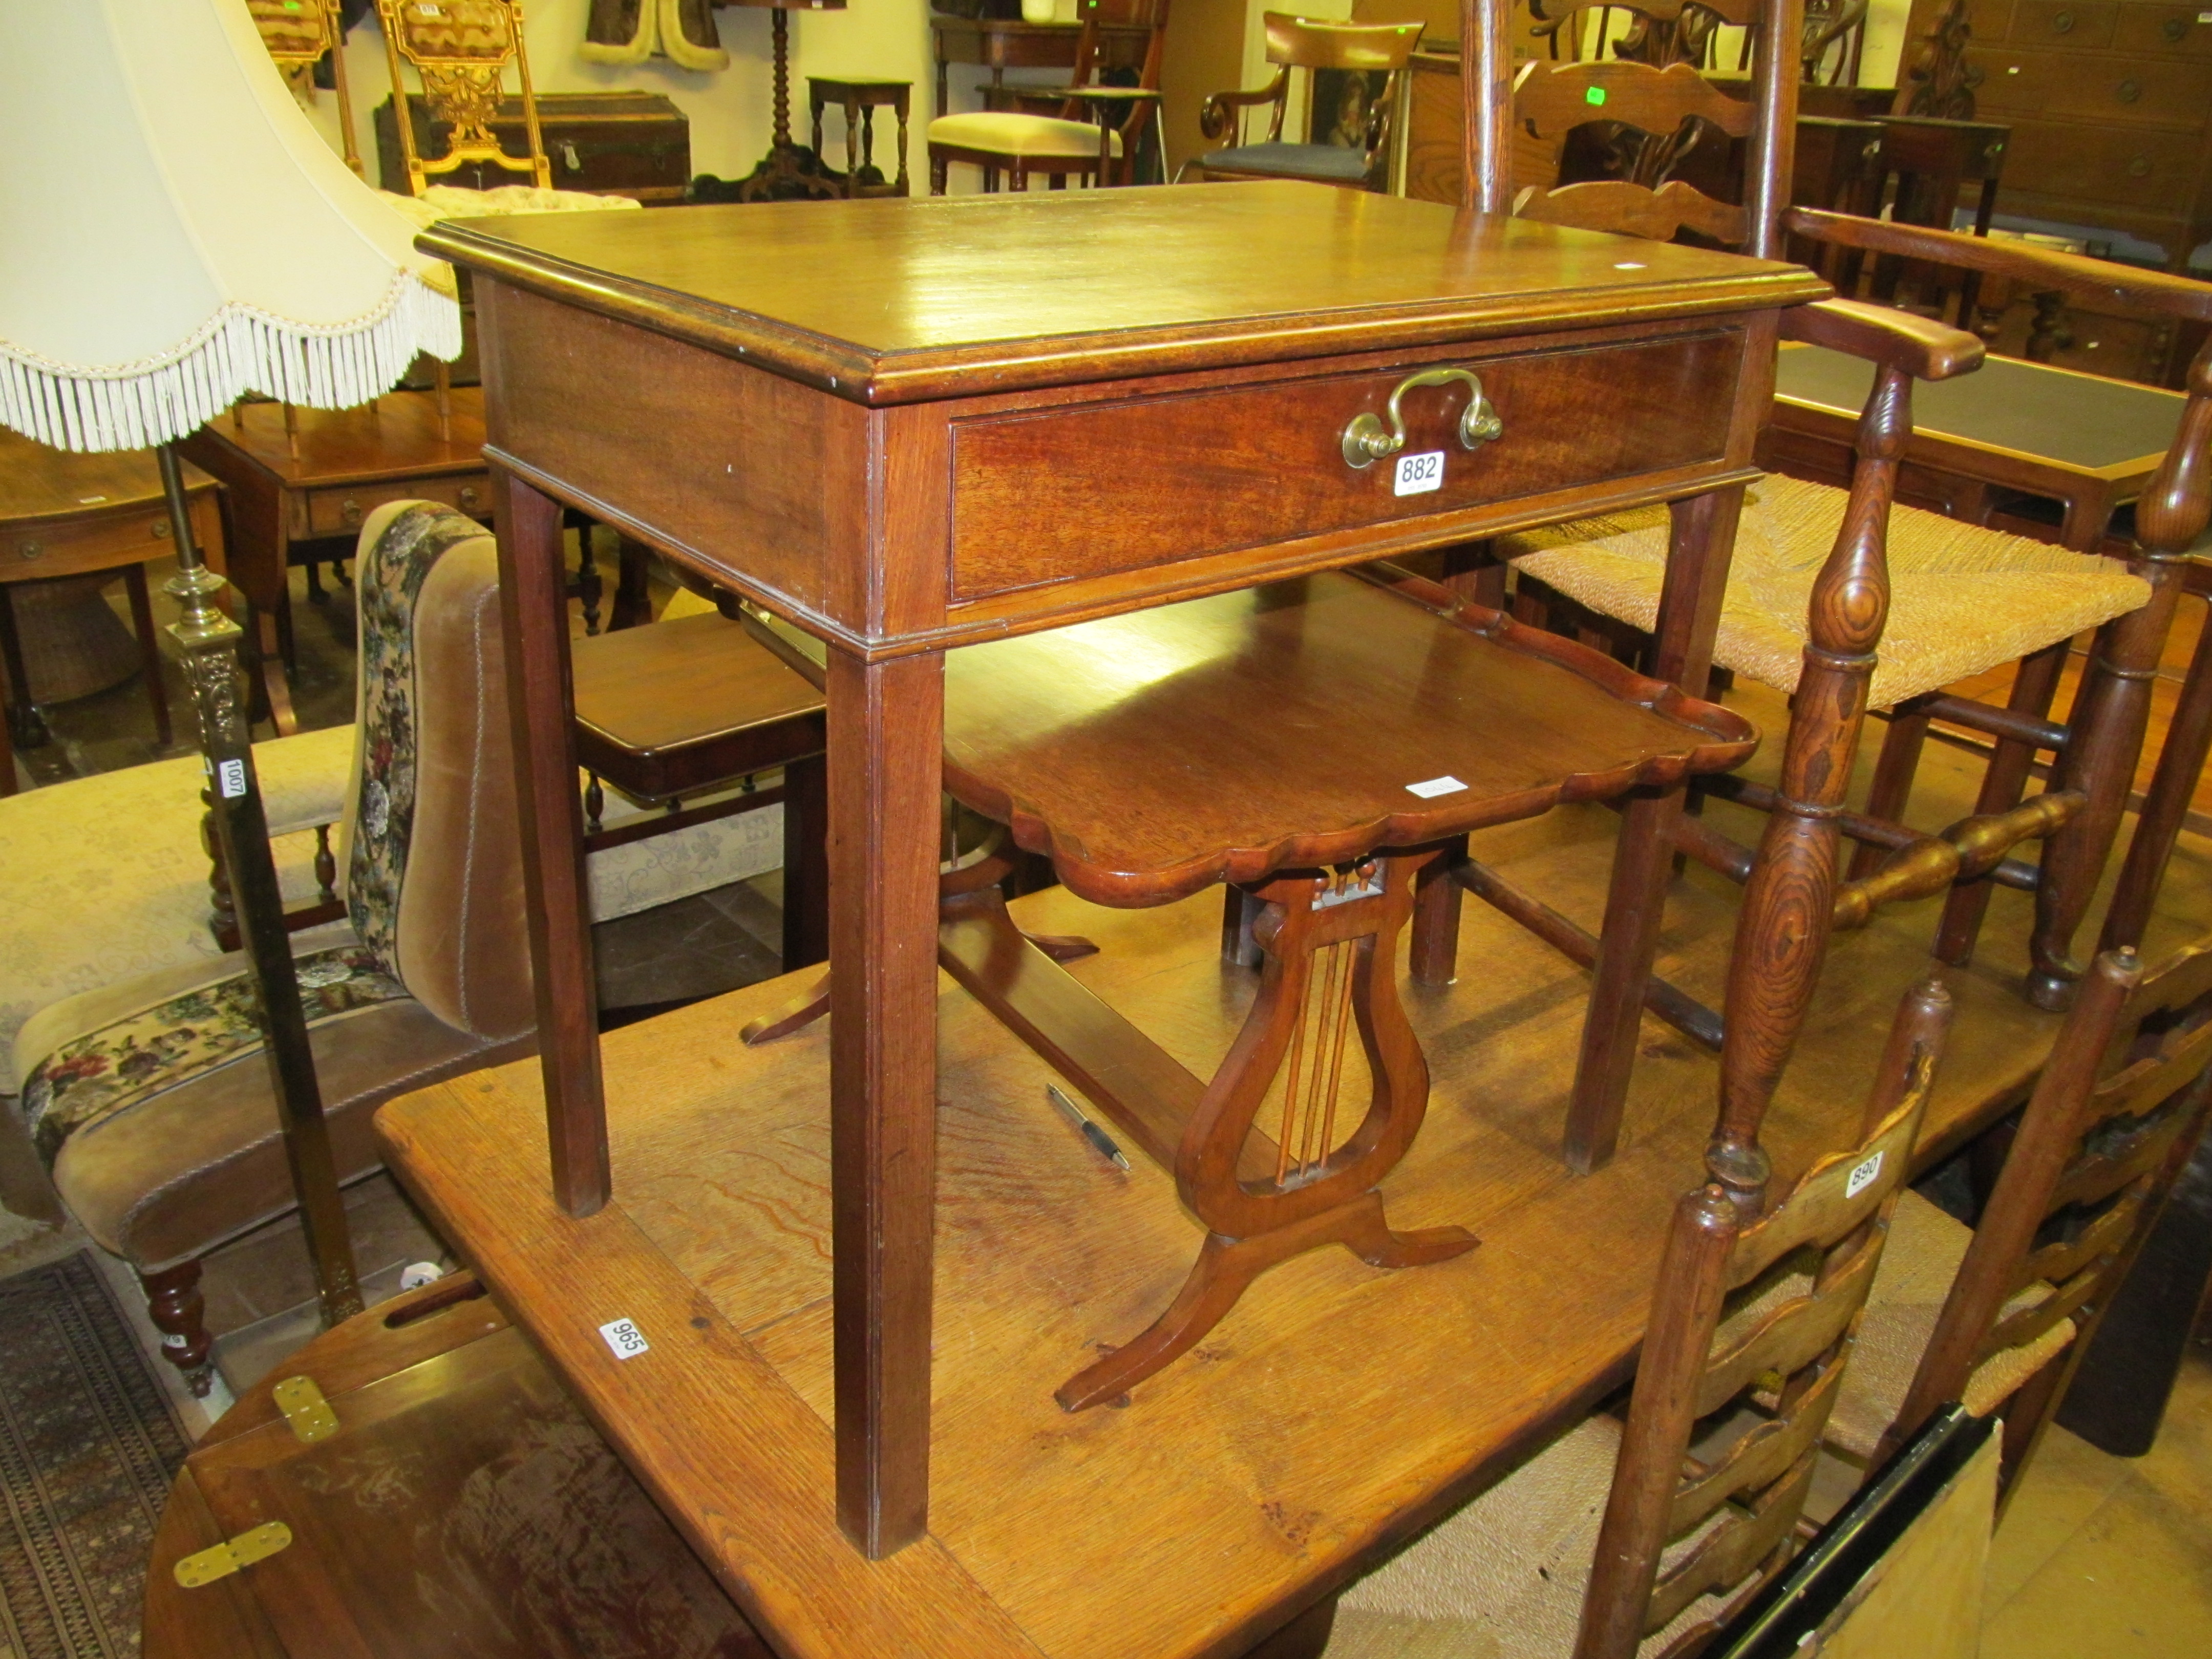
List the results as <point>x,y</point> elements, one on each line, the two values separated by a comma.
<point>1097,1137</point>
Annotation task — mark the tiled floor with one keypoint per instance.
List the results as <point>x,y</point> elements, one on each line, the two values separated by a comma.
<point>2110,1557</point>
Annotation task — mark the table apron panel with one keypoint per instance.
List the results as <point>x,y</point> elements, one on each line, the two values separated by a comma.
<point>339,511</point>
<point>35,551</point>
<point>1102,489</point>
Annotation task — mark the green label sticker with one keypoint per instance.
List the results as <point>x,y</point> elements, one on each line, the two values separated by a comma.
<point>1593,96</point>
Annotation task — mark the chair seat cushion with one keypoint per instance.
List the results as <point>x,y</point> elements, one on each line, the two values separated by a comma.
<point>1504,1577</point>
<point>151,1100</point>
<point>1963,599</point>
<point>1031,138</point>
<point>104,878</point>
<point>1332,162</point>
<point>1923,1256</point>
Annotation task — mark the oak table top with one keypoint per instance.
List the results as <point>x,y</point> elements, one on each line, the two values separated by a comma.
<point>909,425</point>
<point>1282,1458</point>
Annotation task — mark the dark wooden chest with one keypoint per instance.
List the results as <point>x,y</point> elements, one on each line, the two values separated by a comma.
<point>611,143</point>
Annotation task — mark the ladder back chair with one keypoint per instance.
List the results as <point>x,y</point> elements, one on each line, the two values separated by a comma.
<point>1848,603</point>
<point>461,50</point>
<point>1640,1535</point>
<point>1091,130</point>
<point>1998,1318</point>
<point>1349,143</point>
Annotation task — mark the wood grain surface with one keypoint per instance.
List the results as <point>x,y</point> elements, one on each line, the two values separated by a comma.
<point>892,301</point>
<point>1333,1410</point>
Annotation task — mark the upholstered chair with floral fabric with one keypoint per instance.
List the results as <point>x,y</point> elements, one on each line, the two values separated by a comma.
<point>150,1099</point>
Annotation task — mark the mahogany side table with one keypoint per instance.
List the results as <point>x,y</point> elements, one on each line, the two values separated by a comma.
<point>917,446</point>
<point>318,473</point>
<point>64,514</point>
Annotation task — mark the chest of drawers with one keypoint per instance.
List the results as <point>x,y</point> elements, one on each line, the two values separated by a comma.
<point>2110,102</point>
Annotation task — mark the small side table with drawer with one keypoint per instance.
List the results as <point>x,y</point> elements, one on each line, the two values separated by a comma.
<point>297,475</point>
<point>68,515</point>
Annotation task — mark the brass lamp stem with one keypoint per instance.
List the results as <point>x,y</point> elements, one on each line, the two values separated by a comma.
<point>207,650</point>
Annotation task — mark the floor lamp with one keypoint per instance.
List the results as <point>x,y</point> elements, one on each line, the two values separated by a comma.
<point>177,235</point>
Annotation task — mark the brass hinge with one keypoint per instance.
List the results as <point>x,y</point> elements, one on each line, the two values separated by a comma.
<point>304,1409</point>
<point>221,1560</point>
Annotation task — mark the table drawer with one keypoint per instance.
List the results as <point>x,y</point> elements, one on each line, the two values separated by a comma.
<point>2133,166</point>
<point>110,544</point>
<point>2173,92</point>
<point>1096,489</point>
<point>2179,31</point>
<point>339,512</point>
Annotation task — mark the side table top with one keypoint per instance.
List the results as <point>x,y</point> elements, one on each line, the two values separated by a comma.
<point>887,301</point>
<point>40,485</point>
<point>2055,418</point>
<point>399,439</point>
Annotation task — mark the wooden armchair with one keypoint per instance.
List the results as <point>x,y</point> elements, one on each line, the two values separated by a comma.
<point>1355,74</point>
<point>1083,129</point>
<point>1651,1529</point>
<point>1998,1317</point>
<point>1845,603</point>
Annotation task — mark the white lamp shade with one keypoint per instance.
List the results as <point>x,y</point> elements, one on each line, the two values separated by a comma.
<point>174,233</point>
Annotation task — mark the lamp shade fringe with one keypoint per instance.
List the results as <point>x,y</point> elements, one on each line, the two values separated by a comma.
<point>237,351</point>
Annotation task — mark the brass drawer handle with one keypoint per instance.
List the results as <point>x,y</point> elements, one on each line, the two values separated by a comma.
<point>468,495</point>
<point>2062,23</point>
<point>2139,168</point>
<point>350,512</point>
<point>30,550</point>
<point>1366,440</point>
<point>2174,27</point>
<point>2128,91</point>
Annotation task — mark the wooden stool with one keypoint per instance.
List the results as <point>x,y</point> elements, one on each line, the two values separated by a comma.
<point>860,99</point>
<point>64,514</point>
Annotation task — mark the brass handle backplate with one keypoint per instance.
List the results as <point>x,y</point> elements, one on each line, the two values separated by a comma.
<point>2128,91</point>
<point>468,495</point>
<point>2174,27</point>
<point>2062,23</point>
<point>350,512</point>
<point>1367,441</point>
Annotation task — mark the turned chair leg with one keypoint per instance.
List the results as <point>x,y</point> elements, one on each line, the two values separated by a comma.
<point>172,1300</point>
<point>2104,737</point>
<point>938,167</point>
<point>2002,785</point>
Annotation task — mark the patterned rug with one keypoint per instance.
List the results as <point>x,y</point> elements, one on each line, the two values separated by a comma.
<point>88,1446</point>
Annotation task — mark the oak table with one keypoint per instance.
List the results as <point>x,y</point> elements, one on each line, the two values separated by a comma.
<point>297,475</point>
<point>922,443</point>
<point>1335,1411</point>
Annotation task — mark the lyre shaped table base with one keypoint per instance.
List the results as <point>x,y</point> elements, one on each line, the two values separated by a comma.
<point>1329,971</point>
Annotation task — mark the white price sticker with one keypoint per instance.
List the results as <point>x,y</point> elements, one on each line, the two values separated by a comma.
<point>1429,788</point>
<point>623,1339</point>
<point>1419,474</point>
<point>231,779</point>
<point>1863,1177</point>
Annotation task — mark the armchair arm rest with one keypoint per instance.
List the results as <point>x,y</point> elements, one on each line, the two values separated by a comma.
<point>2177,296</point>
<point>1217,117</point>
<point>1924,349</point>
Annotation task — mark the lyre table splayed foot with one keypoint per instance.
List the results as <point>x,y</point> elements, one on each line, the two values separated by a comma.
<point>1311,743</point>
